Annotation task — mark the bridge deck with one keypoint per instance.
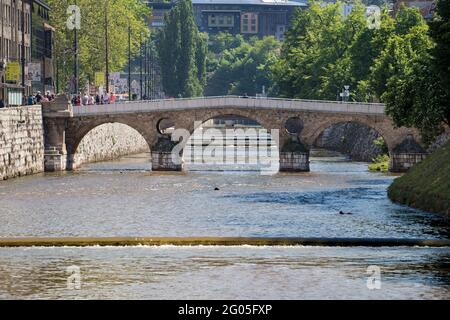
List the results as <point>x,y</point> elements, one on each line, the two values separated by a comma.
<point>234,102</point>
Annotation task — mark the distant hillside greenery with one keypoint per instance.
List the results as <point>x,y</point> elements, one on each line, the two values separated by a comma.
<point>427,185</point>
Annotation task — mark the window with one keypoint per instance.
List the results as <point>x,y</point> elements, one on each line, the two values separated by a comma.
<point>220,20</point>
<point>249,22</point>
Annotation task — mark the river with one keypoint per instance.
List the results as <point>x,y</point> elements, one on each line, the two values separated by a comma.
<point>121,198</point>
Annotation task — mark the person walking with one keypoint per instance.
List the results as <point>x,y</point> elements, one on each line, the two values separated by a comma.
<point>30,100</point>
<point>38,97</point>
<point>106,98</point>
<point>85,100</point>
<point>2,104</point>
<point>112,98</point>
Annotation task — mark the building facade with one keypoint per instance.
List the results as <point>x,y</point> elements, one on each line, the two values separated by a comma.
<point>41,71</point>
<point>247,17</point>
<point>13,35</point>
<point>24,21</point>
<point>426,7</point>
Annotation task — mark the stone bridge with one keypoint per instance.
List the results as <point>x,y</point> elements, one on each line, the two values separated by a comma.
<point>65,125</point>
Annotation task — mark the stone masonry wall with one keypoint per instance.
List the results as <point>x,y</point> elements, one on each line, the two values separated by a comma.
<point>108,142</point>
<point>21,142</point>
<point>352,139</point>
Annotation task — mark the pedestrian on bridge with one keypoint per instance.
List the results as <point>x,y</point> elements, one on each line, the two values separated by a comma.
<point>85,100</point>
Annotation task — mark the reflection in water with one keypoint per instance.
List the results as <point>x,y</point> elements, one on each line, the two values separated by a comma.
<point>122,198</point>
<point>105,200</point>
<point>225,273</point>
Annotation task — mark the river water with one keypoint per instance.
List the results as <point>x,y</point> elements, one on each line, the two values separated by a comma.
<point>121,198</point>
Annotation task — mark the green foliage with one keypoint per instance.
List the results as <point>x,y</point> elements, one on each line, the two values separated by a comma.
<point>440,32</point>
<point>321,52</point>
<point>414,90</point>
<point>238,66</point>
<point>380,163</point>
<point>182,53</point>
<point>426,185</point>
<point>398,63</point>
<point>381,144</point>
<point>92,45</point>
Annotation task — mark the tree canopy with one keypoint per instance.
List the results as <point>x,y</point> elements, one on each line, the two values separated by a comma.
<point>239,66</point>
<point>120,14</point>
<point>182,53</point>
<point>399,62</point>
<point>414,70</point>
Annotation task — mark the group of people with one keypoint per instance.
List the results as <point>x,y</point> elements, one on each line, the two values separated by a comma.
<point>33,99</point>
<point>38,98</point>
<point>86,99</point>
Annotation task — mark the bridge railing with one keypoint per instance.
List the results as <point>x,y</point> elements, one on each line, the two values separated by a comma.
<point>230,101</point>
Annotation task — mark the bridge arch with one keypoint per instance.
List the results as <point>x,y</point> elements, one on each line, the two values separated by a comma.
<point>383,128</point>
<point>76,134</point>
<point>65,126</point>
<point>246,151</point>
<point>352,138</point>
<point>209,114</point>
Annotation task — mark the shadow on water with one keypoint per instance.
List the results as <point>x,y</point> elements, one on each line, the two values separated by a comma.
<point>328,197</point>
<point>361,202</point>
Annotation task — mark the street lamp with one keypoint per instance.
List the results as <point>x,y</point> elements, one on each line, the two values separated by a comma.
<point>76,66</point>
<point>23,60</point>
<point>129,62</point>
<point>345,94</point>
<point>140,64</point>
<point>107,48</point>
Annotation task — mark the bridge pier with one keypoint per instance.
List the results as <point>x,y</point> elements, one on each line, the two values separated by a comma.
<point>406,155</point>
<point>162,155</point>
<point>294,156</point>
<point>402,162</point>
<point>299,122</point>
<point>294,162</point>
<point>55,116</point>
<point>162,161</point>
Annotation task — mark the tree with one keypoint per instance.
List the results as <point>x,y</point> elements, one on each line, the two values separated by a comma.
<point>316,59</point>
<point>413,92</point>
<point>440,32</point>
<point>408,39</point>
<point>239,67</point>
<point>182,53</point>
<point>92,46</point>
<point>364,51</point>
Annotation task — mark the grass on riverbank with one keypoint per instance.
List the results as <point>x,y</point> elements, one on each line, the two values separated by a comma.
<point>426,185</point>
<point>380,163</point>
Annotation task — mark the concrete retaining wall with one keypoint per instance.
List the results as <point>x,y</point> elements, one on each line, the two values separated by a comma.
<point>109,141</point>
<point>21,142</point>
